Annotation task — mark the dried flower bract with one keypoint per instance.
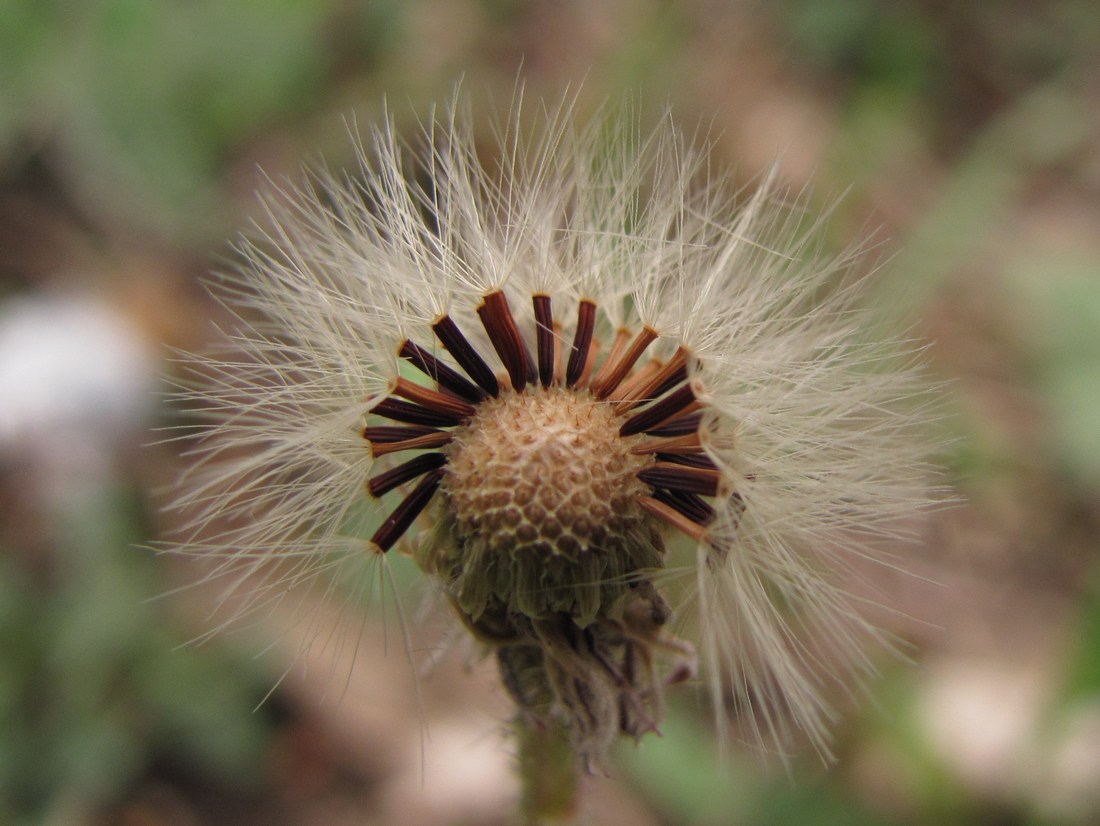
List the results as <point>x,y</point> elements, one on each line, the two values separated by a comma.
<point>572,382</point>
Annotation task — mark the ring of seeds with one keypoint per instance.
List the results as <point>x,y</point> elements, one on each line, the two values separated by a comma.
<point>486,440</point>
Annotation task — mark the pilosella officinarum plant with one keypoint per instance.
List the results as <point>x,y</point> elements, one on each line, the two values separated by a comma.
<point>565,379</point>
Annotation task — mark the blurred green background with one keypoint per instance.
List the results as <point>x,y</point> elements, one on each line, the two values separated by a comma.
<point>132,135</point>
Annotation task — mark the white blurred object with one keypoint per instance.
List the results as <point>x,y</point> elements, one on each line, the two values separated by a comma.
<point>981,718</point>
<point>76,381</point>
<point>464,777</point>
<point>995,724</point>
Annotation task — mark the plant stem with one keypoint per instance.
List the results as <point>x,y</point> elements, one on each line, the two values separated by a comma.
<point>549,773</point>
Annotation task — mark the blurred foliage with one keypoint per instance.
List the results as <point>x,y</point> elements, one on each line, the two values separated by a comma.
<point>691,787</point>
<point>145,100</point>
<point>96,685</point>
<point>1060,290</point>
<point>1083,679</point>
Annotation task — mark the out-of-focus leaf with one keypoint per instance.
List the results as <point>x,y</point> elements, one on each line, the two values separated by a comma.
<point>1084,673</point>
<point>1058,300</point>
<point>94,684</point>
<point>678,772</point>
<point>143,102</point>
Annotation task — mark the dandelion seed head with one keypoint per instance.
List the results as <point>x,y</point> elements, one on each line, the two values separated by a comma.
<point>546,374</point>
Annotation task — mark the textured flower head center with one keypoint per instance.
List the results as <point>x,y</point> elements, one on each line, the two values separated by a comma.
<point>544,502</point>
<point>545,473</point>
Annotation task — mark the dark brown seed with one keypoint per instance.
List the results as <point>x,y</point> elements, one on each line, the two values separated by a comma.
<point>498,321</point>
<point>464,353</point>
<point>659,411</point>
<point>417,466</point>
<point>442,373</point>
<point>582,342</point>
<point>681,477</point>
<point>544,338</point>
<point>402,411</point>
<point>405,514</point>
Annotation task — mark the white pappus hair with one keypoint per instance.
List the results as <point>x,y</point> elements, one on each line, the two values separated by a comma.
<point>802,434</point>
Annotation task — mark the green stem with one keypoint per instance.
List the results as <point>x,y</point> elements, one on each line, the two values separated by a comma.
<point>548,772</point>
